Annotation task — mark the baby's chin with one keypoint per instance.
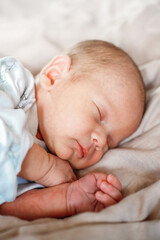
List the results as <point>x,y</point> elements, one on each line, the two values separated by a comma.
<point>68,154</point>
<point>81,163</point>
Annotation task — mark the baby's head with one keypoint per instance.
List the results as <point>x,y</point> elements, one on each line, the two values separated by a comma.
<point>89,100</point>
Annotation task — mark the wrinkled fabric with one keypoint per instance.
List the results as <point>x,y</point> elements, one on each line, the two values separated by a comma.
<point>18,122</point>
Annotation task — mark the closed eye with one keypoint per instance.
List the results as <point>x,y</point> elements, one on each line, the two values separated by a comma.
<point>99,112</point>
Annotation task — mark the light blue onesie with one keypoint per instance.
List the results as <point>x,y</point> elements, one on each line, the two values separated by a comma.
<point>18,123</point>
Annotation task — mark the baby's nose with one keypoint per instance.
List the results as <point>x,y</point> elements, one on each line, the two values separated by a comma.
<point>100,140</point>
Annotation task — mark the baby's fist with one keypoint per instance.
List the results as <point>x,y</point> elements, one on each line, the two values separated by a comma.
<point>59,172</point>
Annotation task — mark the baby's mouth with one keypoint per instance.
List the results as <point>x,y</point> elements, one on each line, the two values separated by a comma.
<point>83,152</point>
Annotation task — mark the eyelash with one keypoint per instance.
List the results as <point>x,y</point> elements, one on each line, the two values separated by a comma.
<point>99,113</point>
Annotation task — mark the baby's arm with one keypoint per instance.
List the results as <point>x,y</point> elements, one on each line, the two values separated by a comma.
<point>92,192</point>
<point>45,168</point>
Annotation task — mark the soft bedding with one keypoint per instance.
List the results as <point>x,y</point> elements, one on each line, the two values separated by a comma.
<point>35,31</point>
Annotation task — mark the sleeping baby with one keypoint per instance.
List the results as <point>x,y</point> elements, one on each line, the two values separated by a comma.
<point>83,103</point>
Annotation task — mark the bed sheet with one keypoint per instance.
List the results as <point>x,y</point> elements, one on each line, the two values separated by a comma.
<point>35,31</point>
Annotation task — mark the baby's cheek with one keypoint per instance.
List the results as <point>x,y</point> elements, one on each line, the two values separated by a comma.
<point>63,152</point>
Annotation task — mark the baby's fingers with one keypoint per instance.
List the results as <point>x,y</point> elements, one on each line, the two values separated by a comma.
<point>114,181</point>
<point>110,190</point>
<point>105,199</point>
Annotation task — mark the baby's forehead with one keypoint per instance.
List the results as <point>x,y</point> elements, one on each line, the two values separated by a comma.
<point>106,78</point>
<point>112,77</point>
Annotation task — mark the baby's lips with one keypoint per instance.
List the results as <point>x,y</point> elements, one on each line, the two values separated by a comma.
<point>80,150</point>
<point>83,152</point>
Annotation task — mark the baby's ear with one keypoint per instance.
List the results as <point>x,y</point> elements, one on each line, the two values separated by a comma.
<point>54,70</point>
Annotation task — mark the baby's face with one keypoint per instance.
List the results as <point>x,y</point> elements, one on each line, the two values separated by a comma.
<point>89,116</point>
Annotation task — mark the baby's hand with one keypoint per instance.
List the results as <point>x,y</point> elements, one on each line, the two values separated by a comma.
<point>59,172</point>
<point>109,189</point>
<point>93,192</point>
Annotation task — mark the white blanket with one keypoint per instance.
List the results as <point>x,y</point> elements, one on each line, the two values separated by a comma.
<point>35,31</point>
